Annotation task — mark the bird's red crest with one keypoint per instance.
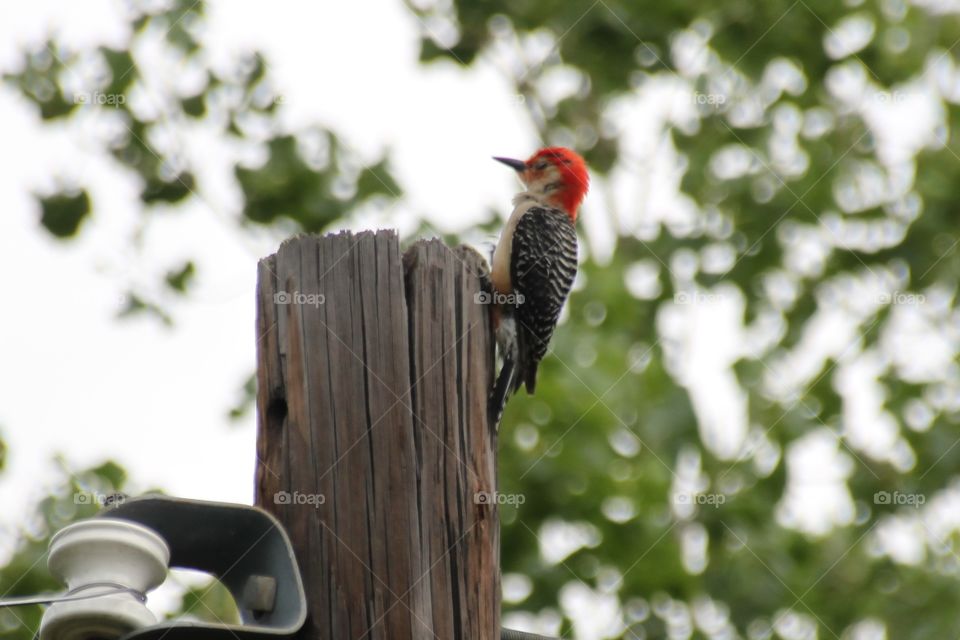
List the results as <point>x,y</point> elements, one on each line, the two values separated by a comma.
<point>574,174</point>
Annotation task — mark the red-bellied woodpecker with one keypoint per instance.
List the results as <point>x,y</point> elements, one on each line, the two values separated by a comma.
<point>534,265</point>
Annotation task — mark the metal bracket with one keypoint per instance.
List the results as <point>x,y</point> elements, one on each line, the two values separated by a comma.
<point>242,546</point>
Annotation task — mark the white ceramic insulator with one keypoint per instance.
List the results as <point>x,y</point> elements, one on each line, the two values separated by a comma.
<point>104,550</point>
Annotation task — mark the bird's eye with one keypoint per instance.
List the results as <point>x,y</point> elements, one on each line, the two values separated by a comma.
<point>540,166</point>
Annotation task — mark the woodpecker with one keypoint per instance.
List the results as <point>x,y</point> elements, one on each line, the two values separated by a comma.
<point>534,265</point>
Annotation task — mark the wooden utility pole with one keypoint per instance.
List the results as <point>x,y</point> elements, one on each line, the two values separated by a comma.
<point>373,441</point>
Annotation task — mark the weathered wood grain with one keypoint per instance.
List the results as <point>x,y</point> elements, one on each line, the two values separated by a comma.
<point>372,437</point>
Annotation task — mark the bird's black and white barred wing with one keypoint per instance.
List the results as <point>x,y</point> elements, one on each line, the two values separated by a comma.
<point>542,271</point>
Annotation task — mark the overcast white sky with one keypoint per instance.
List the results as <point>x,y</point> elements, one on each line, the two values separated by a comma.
<point>75,381</point>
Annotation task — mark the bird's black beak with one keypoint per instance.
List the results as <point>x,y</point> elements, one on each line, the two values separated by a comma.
<point>516,165</point>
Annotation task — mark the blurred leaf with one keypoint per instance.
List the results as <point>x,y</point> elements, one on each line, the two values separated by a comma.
<point>62,214</point>
<point>210,603</point>
<point>39,80</point>
<point>169,191</point>
<point>194,106</point>
<point>248,397</point>
<point>286,186</point>
<point>136,306</point>
<point>376,180</point>
<point>122,70</point>
<point>180,279</point>
<point>112,473</point>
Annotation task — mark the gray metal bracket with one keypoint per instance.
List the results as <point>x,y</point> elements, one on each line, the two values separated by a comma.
<point>244,547</point>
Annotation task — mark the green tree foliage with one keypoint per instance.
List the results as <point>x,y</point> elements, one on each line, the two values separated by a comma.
<point>793,208</point>
<point>798,212</point>
<point>308,178</point>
